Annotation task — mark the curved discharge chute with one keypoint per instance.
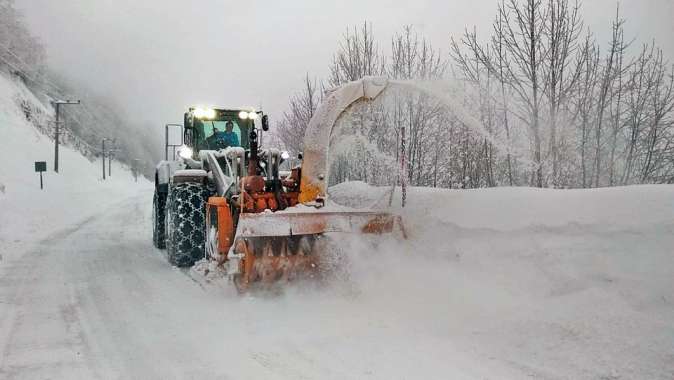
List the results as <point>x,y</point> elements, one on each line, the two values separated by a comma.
<point>314,183</point>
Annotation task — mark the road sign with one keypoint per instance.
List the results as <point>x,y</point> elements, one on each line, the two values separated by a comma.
<point>41,166</point>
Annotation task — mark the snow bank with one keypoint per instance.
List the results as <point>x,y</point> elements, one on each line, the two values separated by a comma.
<point>508,209</point>
<point>69,197</point>
<point>552,283</point>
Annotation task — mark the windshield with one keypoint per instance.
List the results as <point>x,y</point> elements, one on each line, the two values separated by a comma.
<point>214,134</point>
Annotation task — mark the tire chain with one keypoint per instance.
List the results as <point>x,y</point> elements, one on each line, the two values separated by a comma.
<point>185,225</point>
<point>158,220</point>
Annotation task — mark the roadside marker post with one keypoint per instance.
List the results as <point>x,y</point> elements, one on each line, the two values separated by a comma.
<point>41,166</point>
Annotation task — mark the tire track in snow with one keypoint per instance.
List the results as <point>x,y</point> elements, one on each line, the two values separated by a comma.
<point>22,283</point>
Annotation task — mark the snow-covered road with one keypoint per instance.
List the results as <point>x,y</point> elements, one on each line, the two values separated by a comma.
<point>96,300</point>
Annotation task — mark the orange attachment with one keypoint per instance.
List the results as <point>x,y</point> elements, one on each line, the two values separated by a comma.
<point>260,203</point>
<point>268,260</point>
<point>254,199</point>
<point>282,247</point>
<point>309,192</point>
<point>219,227</point>
<point>271,247</point>
<point>257,203</point>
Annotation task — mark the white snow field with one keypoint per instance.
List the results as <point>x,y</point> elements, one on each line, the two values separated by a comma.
<point>508,283</point>
<point>28,213</point>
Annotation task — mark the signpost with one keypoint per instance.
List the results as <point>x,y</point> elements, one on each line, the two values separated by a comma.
<point>41,166</point>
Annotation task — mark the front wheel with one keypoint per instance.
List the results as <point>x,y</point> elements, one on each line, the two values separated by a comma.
<point>186,223</point>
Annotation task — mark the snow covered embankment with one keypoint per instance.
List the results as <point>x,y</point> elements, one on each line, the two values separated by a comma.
<point>28,214</point>
<point>555,284</point>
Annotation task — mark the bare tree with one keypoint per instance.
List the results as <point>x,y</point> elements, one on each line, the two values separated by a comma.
<point>562,32</point>
<point>657,141</point>
<point>358,56</point>
<point>294,122</point>
<point>607,80</point>
<point>584,101</point>
<point>501,63</point>
<point>521,32</point>
<point>584,117</point>
<point>617,92</point>
<point>641,86</point>
<point>414,58</point>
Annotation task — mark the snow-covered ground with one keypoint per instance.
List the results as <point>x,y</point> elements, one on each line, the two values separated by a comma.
<point>77,192</point>
<point>508,283</point>
<point>553,284</point>
<point>544,301</point>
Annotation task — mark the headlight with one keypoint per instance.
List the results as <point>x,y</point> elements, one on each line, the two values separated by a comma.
<point>285,155</point>
<point>252,115</point>
<point>185,152</point>
<point>199,112</point>
<point>204,113</point>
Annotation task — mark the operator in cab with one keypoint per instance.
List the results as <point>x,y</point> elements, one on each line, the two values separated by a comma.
<point>222,140</point>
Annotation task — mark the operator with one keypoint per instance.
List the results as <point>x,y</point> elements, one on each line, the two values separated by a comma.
<point>230,137</point>
<point>221,140</point>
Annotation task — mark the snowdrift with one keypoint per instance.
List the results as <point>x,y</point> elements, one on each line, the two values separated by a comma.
<point>552,284</point>
<point>513,208</point>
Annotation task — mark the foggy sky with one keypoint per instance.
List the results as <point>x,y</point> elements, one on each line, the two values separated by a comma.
<point>156,57</point>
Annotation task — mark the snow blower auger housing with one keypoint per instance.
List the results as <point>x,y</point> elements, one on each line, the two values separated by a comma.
<point>224,198</point>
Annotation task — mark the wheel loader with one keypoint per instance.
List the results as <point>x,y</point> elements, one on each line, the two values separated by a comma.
<point>231,204</point>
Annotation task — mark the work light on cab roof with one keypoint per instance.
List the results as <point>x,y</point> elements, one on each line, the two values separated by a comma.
<point>204,113</point>
<point>252,115</point>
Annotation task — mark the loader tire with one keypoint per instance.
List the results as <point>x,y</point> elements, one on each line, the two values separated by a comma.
<point>158,220</point>
<point>186,223</point>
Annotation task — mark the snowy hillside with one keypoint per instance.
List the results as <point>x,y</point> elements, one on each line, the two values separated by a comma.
<point>77,192</point>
